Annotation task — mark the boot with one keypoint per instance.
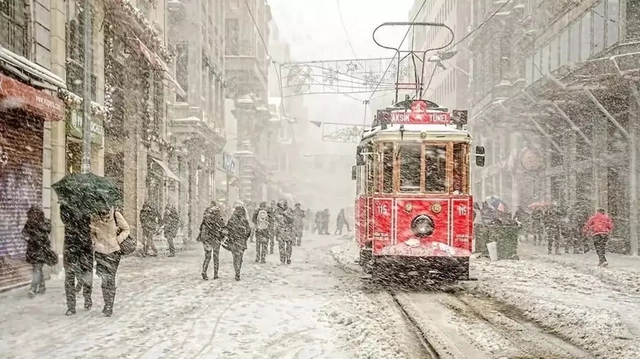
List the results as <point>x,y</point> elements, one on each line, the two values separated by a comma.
<point>109,296</point>
<point>88,303</point>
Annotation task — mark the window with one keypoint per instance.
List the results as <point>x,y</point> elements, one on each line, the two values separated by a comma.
<point>460,175</point>
<point>585,37</point>
<point>598,28</point>
<point>574,40</point>
<point>436,168</point>
<point>13,26</point>
<point>410,160</point>
<point>613,16</point>
<point>554,52</point>
<point>544,64</point>
<point>232,45</point>
<point>536,66</point>
<point>387,167</point>
<point>564,47</point>
<point>182,68</point>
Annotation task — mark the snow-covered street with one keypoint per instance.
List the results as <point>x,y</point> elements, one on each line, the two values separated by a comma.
<point>310,309</point>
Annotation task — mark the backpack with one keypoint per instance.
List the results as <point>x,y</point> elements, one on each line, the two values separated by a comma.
<point>263,219</point>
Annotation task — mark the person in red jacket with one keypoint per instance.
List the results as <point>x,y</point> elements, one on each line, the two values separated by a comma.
<point>599,226</point>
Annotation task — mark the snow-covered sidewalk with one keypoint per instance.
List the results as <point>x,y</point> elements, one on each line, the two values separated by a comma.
<point>310,309</point>
<point>595,308</point>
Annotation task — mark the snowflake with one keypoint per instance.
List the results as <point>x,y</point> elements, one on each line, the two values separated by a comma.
<point>330,76</point>
<point>370,80</point>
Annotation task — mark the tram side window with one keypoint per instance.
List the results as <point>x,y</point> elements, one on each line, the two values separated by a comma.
<point>371,165</point>
<point>387,167</point>
<point>460,175</point>
<point>410,161</point>
<point>436,165</point>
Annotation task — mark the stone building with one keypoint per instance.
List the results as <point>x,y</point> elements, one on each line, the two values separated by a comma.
<point>195,120</point>
<point>555,98</point>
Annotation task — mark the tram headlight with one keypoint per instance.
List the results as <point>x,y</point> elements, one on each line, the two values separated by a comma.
<point>422,226</point>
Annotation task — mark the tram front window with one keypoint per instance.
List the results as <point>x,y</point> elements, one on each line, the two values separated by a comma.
<point>387,167</point>
<point>410,156</point>
<point>436,169</point>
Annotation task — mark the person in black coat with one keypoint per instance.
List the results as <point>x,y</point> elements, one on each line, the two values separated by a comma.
<point>341,221</point>
<point>172,222</point>
<point>36,232</point>
<point>298,219</point>
<point>211,236</point>
<point>285,231</point>
<point>272,226</point>
<point>239,231</point>
<point>77,254</point>
<point>150,220</point>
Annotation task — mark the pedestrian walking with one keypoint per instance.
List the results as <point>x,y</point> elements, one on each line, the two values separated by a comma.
<point>553,223</point>
<point>108,230</point>
<point>262,223</point>
<point>318,223</point>
<point>538,225</point>
<point>238,232</point>
<point>298,222</point>
<point>599,226</point>
<point>211,235</point>
<point>172,223</point>
<point>308,220</point>
<point>285,231</point>
<point>326,217</point>
<point>272,226</point>
<point>341,221</point>
<point>36,232</point>
<point>150,220</point>
<point>77,255</point>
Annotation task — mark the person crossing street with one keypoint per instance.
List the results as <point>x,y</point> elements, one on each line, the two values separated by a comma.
<point>599,226</point>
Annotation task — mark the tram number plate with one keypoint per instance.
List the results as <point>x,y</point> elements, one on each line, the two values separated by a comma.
<point>382,209</point>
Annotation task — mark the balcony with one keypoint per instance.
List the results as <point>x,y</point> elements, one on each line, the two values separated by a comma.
<point>246,73</point>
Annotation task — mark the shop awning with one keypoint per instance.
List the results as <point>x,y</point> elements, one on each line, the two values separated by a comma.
<point>156,61</point>
<point>167,171</point>
<point>15,94</point>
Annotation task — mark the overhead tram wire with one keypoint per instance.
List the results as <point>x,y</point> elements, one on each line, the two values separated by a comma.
<point>393,58</point>
<point>346,33</point>
<point>484,22</point>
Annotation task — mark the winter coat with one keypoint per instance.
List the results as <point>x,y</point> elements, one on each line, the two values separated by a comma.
<point>285,224</point>
<point>36,233</point>
<point>211,228</point>
<point>149,218</point>
<point>270,220</point>
<point>78,248</point>
<point>108,232</point>
<point>298,218</point>
<point>341,219</point>
<point>171,222</point>
<point>238,231</point>
<point>599,223</point>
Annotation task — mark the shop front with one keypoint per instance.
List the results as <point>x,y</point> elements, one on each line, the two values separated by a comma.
<point>23,110</point>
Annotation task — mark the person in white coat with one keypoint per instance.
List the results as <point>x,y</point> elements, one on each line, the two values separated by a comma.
<point>108,230</point>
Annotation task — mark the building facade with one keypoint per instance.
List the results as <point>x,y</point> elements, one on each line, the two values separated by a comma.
<point>154,133</point>
<point>555,101</point>
<point>445,83</point>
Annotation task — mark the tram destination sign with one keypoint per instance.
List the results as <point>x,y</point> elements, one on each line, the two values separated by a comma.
<point>431,117</point>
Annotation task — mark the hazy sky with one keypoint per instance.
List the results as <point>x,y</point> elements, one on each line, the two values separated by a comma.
<point>314,32</point>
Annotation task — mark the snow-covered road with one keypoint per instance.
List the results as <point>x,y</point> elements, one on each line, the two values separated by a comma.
<point>310,309</point>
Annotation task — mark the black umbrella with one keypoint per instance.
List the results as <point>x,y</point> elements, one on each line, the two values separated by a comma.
<point>88,191</point>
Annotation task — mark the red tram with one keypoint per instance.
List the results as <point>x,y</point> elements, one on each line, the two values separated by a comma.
<point>414,207</point>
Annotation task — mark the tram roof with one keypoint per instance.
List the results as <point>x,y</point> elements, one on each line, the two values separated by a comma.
<point>414,131</point>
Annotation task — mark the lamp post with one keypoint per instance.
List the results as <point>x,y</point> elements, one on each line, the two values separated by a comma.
<point>86,101</point>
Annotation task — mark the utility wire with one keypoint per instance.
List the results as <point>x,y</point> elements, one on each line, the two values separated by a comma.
<point>344,27</point>
<point>264,43</point>
<point>484,22</point>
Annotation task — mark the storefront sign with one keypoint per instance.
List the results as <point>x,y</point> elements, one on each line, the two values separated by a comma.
<point>14,93</point>
<point>75,127</point>
<point>228,163</point>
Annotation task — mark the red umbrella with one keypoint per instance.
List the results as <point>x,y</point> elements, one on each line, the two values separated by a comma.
<point>539,204</point>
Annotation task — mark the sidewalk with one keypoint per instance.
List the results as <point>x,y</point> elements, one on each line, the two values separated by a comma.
<point>622,273</point>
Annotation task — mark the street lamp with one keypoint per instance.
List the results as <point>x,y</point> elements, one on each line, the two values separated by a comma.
<point>440,58</point>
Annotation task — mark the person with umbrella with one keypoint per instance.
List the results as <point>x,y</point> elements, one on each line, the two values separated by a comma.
<point>81,195</point>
